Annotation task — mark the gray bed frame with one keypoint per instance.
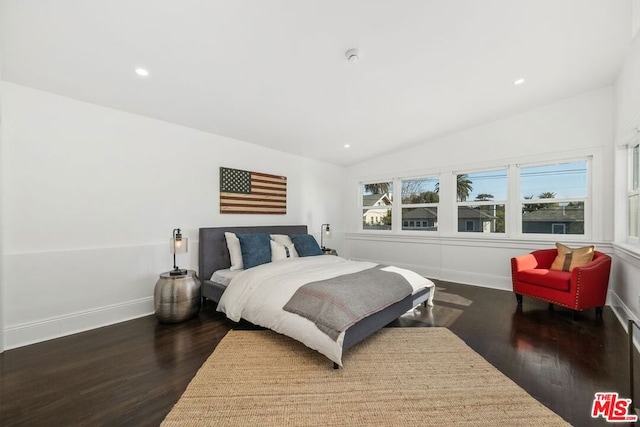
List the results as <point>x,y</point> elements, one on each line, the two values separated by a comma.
<point>213,255</point>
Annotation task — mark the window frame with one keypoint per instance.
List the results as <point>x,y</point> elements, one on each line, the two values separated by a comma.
<point>633,180</point>
<point>513,221</point>
<point>389,208</point>
<point>495,202</point>
<point>401,205</point>
<point>586,200</point>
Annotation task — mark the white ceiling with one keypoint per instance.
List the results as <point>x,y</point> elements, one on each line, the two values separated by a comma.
<point>273,72</point>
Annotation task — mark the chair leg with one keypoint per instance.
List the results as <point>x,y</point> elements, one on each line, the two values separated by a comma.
<point>599,312</point>
<point>519,299</point>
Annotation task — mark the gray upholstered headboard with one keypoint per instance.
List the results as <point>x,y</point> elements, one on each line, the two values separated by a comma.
<point>213,253</point>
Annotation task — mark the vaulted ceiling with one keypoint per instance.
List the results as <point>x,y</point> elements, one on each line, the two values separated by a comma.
<point>274,72</point>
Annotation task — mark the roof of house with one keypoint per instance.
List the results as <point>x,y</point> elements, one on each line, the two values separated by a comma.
<point>554,214</point>
<point>372,199</point>
<point>420,213</point>
<point>467,212</point>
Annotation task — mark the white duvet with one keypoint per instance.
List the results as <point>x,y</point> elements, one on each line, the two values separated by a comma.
<point>259,293</point>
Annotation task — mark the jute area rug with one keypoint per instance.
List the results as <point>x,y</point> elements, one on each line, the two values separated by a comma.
<point>397,377</point>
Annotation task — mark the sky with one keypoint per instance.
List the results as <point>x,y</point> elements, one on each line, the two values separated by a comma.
<point>566,180</point>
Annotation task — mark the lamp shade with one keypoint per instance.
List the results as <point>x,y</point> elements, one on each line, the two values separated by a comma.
<point>325,230</point>
<point>179,245</point>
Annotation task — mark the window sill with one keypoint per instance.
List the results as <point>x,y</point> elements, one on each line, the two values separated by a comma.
<point>628,250</point>
<point>460,239</point>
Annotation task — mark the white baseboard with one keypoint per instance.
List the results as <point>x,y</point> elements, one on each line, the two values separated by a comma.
<point>476,279</point>
<point>60,326</point>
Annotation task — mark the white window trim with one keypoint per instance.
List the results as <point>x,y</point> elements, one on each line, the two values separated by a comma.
<point>400,206</point>
<point>447,207</point>
<point>588,200</point>
<point>476,234</point>
<point>635,241</point>
<point>362,207</point>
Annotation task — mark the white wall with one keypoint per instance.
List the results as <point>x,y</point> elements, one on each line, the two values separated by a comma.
<point>626,266</point>
<point>635,17</point>
<point>579,126</point>
<point>92,195</point>
<point>2,299</point>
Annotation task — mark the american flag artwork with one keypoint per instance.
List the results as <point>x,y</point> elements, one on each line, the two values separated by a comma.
<point>244,192</point>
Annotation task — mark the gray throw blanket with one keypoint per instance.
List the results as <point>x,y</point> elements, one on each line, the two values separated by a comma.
<point>335,304</point>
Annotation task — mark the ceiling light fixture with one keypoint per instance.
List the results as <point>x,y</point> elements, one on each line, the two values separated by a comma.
<point>347,145</point>
<point>142,72</point>
<point>352,55</point>
<point>519,81</point>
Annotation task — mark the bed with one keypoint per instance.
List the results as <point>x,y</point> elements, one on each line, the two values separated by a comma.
<point>214,257</point>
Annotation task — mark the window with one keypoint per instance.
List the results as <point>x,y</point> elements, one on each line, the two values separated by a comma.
<point>420,200</point>
<point>481,200</point>
<point>634,190</point>
<point>553,198</point>
<point>537,200</point>
<point>377,203</point>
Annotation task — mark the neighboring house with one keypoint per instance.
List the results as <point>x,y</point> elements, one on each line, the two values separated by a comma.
<point>469,219</point>
<point>375,216</point>
<point>554,220</point>
<point>424,219</point>
<point>475,220</point>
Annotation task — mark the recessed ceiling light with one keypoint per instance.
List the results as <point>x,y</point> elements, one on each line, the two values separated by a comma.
<point>142,72</point>
<point>347,145</point>
<point>519,81</point>
<point>352,55</point>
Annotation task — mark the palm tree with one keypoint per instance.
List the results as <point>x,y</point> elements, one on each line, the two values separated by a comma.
<point>463,187</point>
<point>532,207</point>
<point>483,197</point>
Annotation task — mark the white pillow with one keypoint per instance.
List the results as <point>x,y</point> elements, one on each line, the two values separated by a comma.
<point>235,252</point>
<point>279,251</point>
<point>285,240</point>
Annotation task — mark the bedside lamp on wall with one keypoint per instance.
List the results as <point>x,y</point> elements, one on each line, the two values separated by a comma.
<point>325,230</point>
<point>179,245</point>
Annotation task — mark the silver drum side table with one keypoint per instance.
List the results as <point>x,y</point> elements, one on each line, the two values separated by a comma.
<point>176,298</point>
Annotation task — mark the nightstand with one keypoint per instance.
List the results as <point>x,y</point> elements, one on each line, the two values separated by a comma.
<point>176,298</point>
<point>327,251</point>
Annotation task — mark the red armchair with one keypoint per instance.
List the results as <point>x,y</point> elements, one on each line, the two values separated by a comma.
<point>582,288</point>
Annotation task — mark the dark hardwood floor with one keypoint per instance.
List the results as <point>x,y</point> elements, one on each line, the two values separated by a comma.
<point>132,373</point>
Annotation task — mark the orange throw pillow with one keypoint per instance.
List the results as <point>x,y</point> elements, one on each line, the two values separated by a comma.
<point>569,258</point>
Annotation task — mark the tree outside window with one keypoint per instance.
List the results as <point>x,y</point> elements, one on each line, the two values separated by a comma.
<point>481,200</point>
<point>419,203</point>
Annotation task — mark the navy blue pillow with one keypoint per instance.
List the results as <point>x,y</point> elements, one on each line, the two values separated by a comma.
<point>306,245</point>
<point>255,248</point>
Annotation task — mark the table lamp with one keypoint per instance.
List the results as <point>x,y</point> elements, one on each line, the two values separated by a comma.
<point>179,245</point>
<point>325,229</point>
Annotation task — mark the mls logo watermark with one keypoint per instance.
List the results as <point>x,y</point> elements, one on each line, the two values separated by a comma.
<point>612,408</point>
